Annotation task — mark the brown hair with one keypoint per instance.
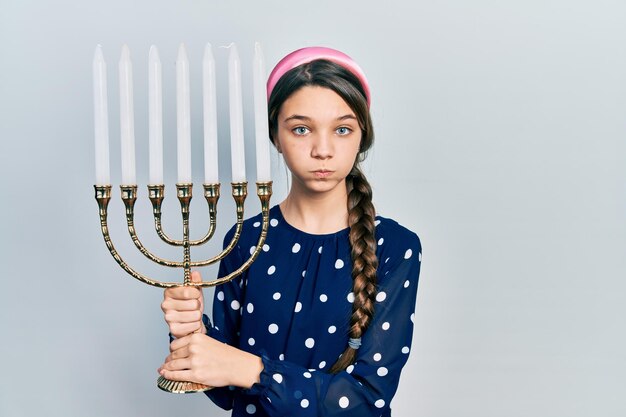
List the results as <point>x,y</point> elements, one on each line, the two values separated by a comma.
<point>361,212</point>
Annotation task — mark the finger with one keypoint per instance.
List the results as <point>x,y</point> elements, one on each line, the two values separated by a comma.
<point>179,343</point>
<point>176,375</point>
<point>184,329</point>
<point>178,354</point>
<point>173,316</point>
<point>180,305</point>
<point>182,293</point>
<point>177,364</point>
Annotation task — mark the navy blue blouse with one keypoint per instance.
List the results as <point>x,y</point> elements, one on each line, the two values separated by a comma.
<point>292,308</point>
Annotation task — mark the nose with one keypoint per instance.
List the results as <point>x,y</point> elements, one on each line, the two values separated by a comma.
<point>322,147</point>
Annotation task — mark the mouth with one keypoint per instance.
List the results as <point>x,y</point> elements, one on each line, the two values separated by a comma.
<point>322,173</point>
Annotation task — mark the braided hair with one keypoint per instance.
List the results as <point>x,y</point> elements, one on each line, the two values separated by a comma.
<point>361,212</point>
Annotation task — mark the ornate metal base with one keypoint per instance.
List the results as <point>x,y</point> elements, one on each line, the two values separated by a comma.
<point>180,387</point>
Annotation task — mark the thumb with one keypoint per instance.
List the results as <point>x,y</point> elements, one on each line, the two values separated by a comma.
<point>195,276</point>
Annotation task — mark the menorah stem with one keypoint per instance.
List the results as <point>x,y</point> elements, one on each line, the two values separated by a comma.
<point>184,193</point>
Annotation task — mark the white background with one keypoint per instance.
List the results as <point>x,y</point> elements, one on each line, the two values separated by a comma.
<point>500,140</point>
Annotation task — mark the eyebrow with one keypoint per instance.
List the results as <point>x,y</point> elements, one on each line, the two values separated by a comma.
<point>308,119</point>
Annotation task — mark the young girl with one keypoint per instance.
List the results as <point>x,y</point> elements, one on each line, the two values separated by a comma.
<point>321,323</point>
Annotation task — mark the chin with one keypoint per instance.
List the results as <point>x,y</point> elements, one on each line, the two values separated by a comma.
<point>323,186</point>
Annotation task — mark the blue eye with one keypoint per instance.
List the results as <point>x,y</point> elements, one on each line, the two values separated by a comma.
<point>300,130</point>
<point>343,131</point>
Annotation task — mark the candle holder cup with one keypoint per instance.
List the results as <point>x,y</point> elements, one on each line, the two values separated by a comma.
<point>156,194</point>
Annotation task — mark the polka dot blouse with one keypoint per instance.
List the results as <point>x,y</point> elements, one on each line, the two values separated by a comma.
<point>292,309</point>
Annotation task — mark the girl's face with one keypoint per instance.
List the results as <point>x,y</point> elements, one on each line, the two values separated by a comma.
<point>319,137</point>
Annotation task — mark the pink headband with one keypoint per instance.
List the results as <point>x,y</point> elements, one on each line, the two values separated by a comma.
<point>306,55</point>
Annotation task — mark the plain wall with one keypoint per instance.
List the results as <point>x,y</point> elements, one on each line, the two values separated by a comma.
<point>501,139</point>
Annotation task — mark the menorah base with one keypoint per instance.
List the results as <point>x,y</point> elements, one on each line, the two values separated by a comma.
<point>180,387</point>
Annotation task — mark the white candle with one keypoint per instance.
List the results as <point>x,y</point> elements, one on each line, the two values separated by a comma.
<point>127,124</point>
<point>101,118</point>
<point>183,116</point>
<point>211,172</point>
<point>260,117</point>
<point>236,116</point>
<point>155,113</point>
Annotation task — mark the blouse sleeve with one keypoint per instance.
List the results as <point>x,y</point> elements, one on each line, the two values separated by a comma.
<point>226,317</point>
<point>366,387</point>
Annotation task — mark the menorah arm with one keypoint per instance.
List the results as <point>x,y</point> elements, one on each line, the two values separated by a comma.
<point>129,196</point>
<point>264,191</point>
<point>240,192</point>
<point>156,194</point>
<point>103,196</point>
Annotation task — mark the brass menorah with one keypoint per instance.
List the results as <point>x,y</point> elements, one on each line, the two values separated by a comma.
<point>156,190</point>
<point>184,193</point>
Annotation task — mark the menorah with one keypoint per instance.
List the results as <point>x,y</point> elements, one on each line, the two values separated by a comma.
<point>156,188</point>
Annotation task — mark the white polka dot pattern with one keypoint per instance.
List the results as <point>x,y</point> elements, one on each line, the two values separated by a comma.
<point>273,222</point>
<point>350,297</point>
<point>382,371</point>
<point>278,378</point>
<point>295,248</point>
<point>380,241</point>
<point>379,403</point>
<point>220,295</point>
<point>332,329</point>
<point>251,341</point>
<point>338,264</point>
<point>304,403</point>
<point>344,402</point>
<point>407,283</point>
<point>256,224</point>
<point>386,325</point>
<point>298,307</point>
<point>323,298</point>
<point>322,364</point>
<point>380,297</point>
<point>235,305</point>
<point>307,374</point>
<point>408,254</point>
<point>271,270</point>
<point>273,328</point>
<point>266,248</point>
<point>310,342</point>
<point>250,409</point>
<point>250,308</point>
<point>405,350</point>
<point>377,357</point>
<point>276,296</point>
<point>350,368</point>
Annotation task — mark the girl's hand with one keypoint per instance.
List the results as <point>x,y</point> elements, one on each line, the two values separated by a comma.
<point>202,359</point>
<point>183,307</point>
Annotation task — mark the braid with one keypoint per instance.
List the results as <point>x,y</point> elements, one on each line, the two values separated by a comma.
<point>361,215</point>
